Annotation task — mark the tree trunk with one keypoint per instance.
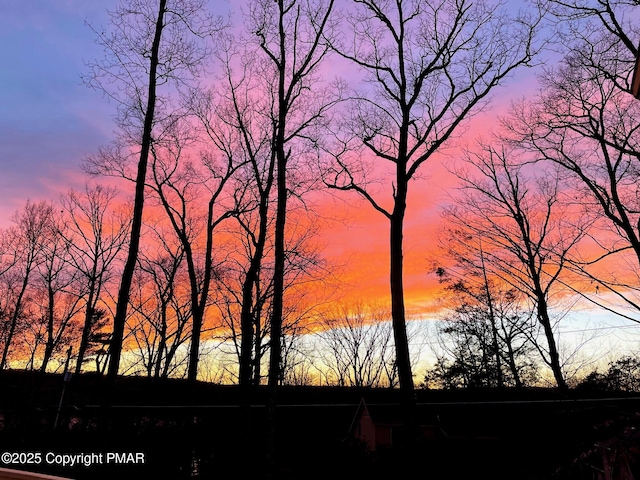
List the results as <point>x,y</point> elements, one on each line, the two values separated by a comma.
<point>513,366</point>
<point>257,356</point>
<point>199,304</point>
<point>554,357</point>
<point>281,215</point>
<point>403,359</point>
<point>163,339</point>
<point>492,319</point>
<point>194,352</point>
<point>14,319</point>
<point>88,323</point>
<point>136,224</point>
<point>246,315</point>
<point>48,348</point>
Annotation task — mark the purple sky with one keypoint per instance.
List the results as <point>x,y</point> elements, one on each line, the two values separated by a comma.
<point>49,121</point>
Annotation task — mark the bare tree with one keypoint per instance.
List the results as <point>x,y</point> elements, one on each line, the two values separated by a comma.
<point>427,66</point>
<point>585,121</point>
<point>308,289</point>
<point>27,238</point>
<point>356,347</point>
<point>599,35</point>
<point>61,286</point>
<point>179,186</point>
<point>298,366</point>
<point>230,301</point>
<point>304,267</point>
<point>249,101</point>
<point>95,235</point>
<point>151,44</point>
<point>250,107</point>
<point>525,228</point>
<point>161,304</point>
<point>291,35</point>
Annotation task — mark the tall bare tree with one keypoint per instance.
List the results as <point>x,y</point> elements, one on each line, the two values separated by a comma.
<point>427,67</point>
<point>179,186</point>
<point>151,44</point>
<point>249,107</point>
<point>249,101</point>
<point>291,34</point>
<point>586,121</point>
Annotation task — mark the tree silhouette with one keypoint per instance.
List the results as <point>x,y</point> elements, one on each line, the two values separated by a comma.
<point>292,35</point>
<point>95,235</point>
<point>585,121</point>
<point>27,238</point>
<point>150,45</point>
<point>486,332</point>
<point>427,67</point>
<point>526,228</point>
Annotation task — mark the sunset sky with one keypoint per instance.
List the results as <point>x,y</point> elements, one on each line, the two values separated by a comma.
<point>50,122</point>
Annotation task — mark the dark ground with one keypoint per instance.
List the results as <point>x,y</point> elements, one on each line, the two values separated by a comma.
<point>201,432</point>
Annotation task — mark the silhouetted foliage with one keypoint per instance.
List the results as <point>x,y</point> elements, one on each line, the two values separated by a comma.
<point>622,375</point>
<point>486,339</point>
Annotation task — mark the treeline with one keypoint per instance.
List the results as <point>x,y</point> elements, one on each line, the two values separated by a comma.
<point>230,133</point>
